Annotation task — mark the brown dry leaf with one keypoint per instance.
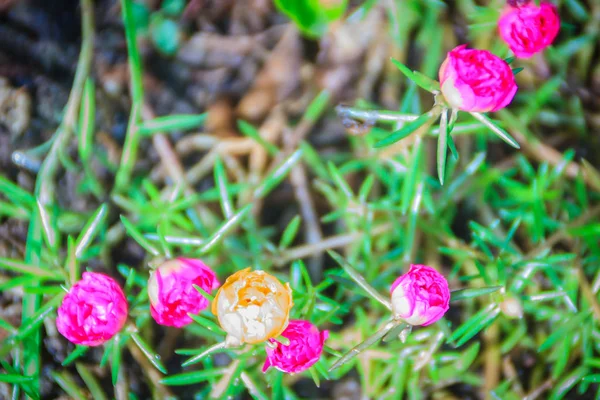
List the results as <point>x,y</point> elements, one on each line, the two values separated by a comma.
<point>270,131</point>
<point>278,78</point>
<point>210,9</point>
<point>15,108</point>
<point>343,48</point>
<point>220,118</point>
<point>209,50</point>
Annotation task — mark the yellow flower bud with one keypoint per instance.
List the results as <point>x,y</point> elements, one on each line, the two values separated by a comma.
<point>252,306</point>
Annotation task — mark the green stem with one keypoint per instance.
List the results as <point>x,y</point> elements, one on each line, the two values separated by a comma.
<point>374,115</point>
<point>212,349</point>
<point>135,64</point>
<point>45,184</point>
<point>358,278</point>
<point>366,344</point>
<point>45,180</point>
<point>132,139</point>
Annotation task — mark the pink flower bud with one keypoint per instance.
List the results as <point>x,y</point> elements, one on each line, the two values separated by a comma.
<point>93,311</point>
<point>476,80</point>
<point>529,29</point>
<point>421,296</point>
<point>305,348</point>
<point>172,294</point>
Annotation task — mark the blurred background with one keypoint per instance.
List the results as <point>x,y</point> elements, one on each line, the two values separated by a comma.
<point>252,166</point>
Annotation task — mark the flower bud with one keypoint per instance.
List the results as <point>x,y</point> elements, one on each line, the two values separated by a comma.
<point>528,29</point>
<point>172,293</point>
<point>93,311</point>
<point>476,80</point>
<point>304,349</point>
<point>511,307</point>
<point>252,306</point>
<point>421,296</point>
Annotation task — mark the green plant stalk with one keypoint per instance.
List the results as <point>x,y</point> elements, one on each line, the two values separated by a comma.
<point>130,147</point>
<point>421,125</point>
<point>442,148</point>
<point>31,362</point>
<point>212,349</point>
<point>91,382</point>
<point>45,179</point>
<point>501,133</point>
<point>45,184</point>
<point>374,115</point>
<point>365,344</point>
<point>66,382</point>
<point>411,226</point>
<point>135,66</point>
<point>137,97</point>
<point>358,278</point>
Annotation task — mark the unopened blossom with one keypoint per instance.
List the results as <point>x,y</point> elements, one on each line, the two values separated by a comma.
<point>172,293</point>
<point>528,29</point>
<point>252,306</point>
<point>421,296</point>
<point>476,80</point>
<point>304,348</point>
<point>93,311</point>
<point>511,307</point>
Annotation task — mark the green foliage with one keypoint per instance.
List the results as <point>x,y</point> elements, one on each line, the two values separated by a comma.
<point>312,16</point>
<point>165,34</point>
<point>140,15</point>
<point>173,8</point>
<point>421,80</point>
<point>171,123</point>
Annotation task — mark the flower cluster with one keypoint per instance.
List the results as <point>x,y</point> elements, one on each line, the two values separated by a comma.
<point>251,306</point>
<point>478,81</point>
<point>254,307</point>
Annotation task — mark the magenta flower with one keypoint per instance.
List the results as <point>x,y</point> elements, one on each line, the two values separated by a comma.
<point>421,296</point>
<point>476,80</point>
<point>305,348</point>
<point>172,294</point>
<point>93,311</point>
<point>529,29</point>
